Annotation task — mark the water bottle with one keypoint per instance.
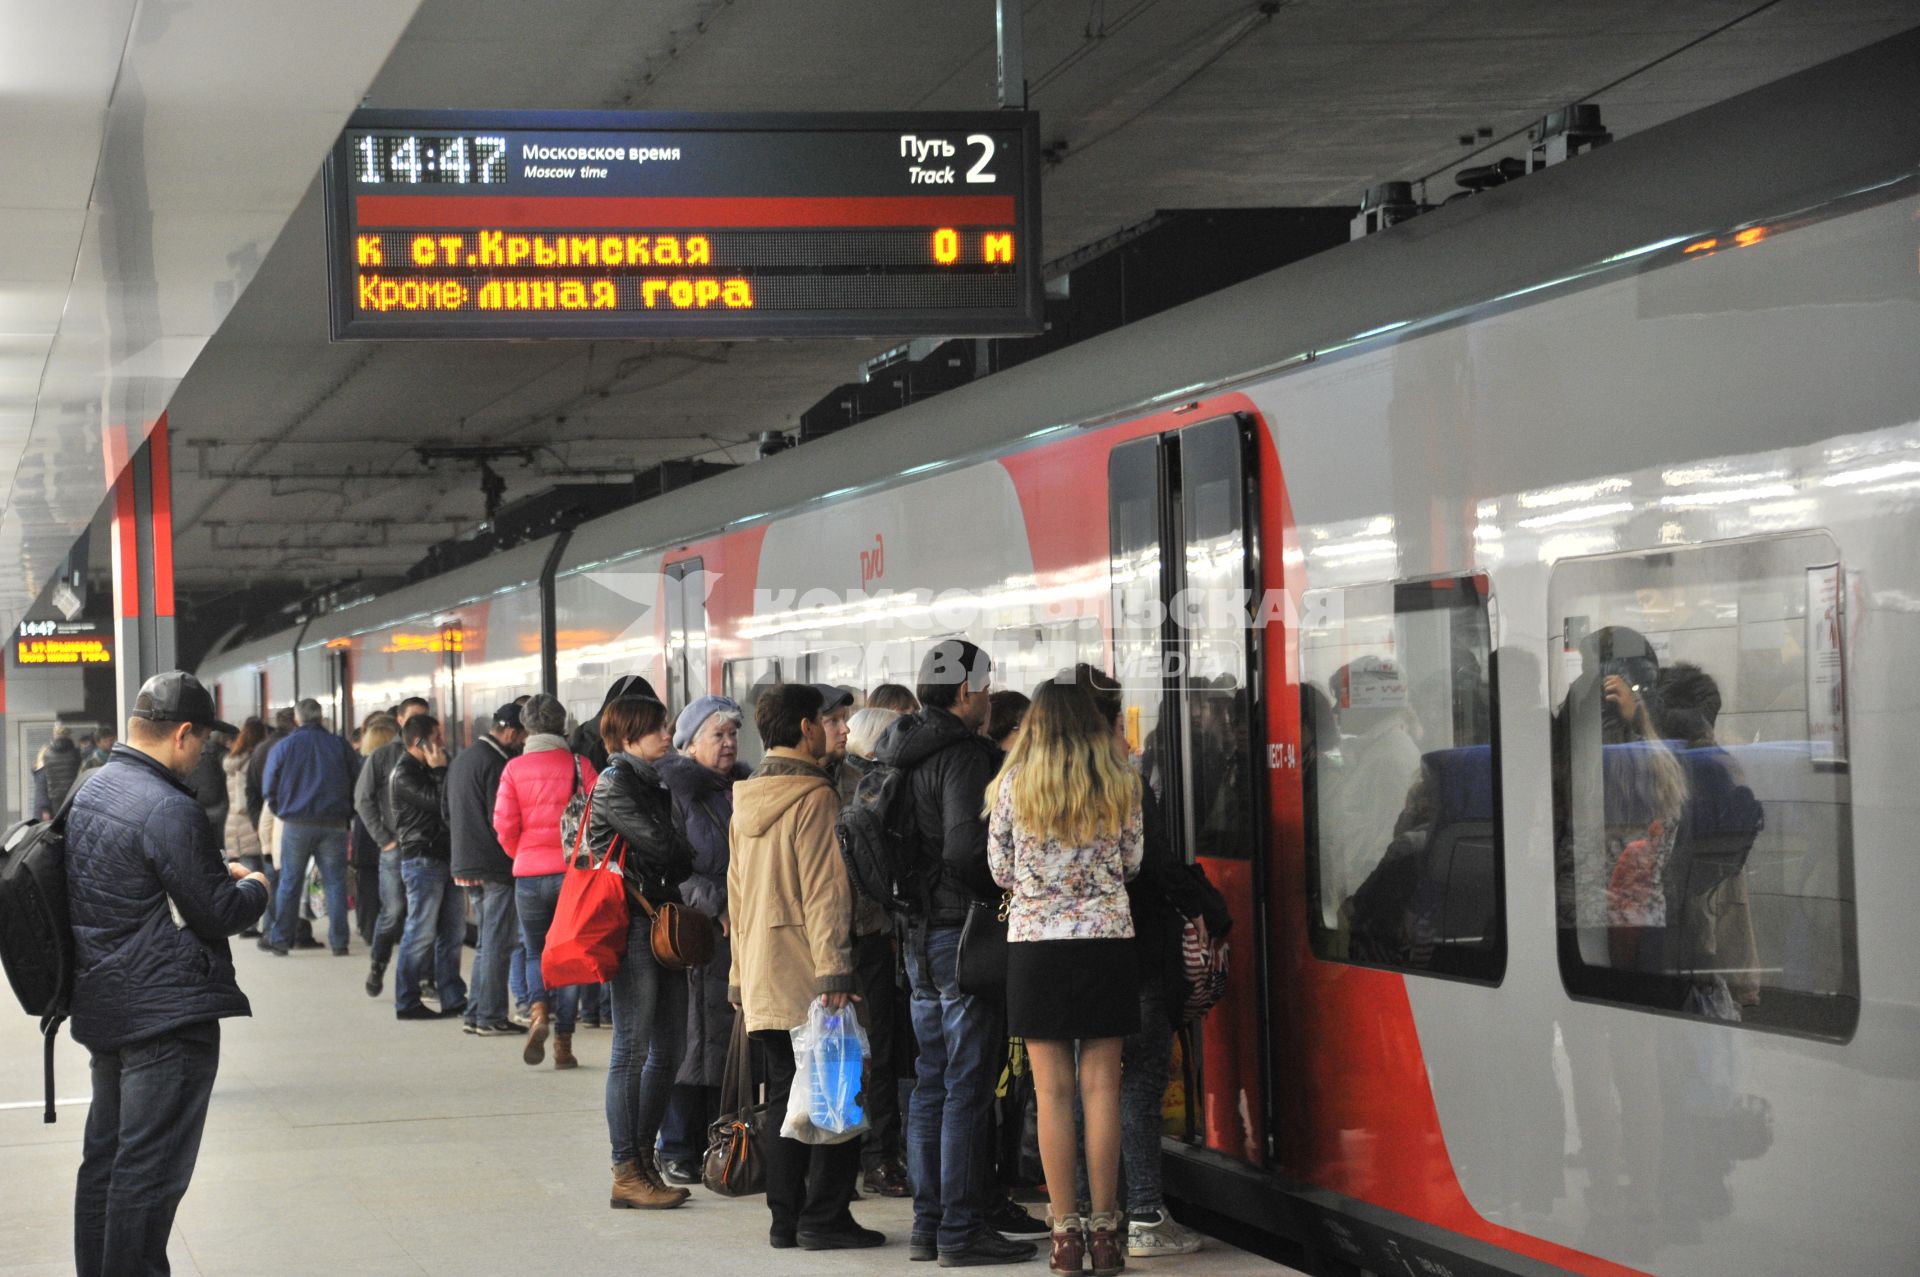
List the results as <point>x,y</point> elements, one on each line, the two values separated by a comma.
<point>837,1061</point>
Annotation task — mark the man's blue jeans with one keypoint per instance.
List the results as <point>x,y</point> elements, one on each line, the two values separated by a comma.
<point>499,936</point>
<point>946,1156</point>
<point>537,898</point>
<point>141,1141</point>
<point>436,930</point>
<point>302,842</point>
<point>393,908</point>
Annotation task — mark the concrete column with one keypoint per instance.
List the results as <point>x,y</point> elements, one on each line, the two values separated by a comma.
<point>142,561</point>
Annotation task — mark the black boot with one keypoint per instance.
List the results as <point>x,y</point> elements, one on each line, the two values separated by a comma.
<point>376,979</point>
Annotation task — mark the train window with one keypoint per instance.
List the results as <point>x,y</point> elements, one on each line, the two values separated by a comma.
<point>743,680</point>
<point>1400,766</point>
<point>1024,656</point>
<point>1703,849</point>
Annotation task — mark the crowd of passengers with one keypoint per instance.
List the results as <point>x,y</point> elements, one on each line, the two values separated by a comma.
<point>1035,800</point>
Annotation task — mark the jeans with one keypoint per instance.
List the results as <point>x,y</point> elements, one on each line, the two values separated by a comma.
<point>873,964</point>
<point>261,865</point>
<point>436,930</point>
<point>137,1154</point>
<point>950,1116</point>
<point>393,908</point>
<point>300,843</point>
<point>536,898</point>
<point>691,1109</point>
<point>649,1006</point>
<point>808,1185</point>
<point>1144,1060</point>
<point>517,966</point>
<point>499,930</point>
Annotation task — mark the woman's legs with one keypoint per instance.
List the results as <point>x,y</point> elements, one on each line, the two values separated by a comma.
<point>1100,1096</point>
<point>636,989</point>
<point>1053,1096</point>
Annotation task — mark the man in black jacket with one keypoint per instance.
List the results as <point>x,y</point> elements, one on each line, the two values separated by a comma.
<point>950,764</point>
<point>436,912</point>
<point>149,991</point>
<point>484,869</point>
<point>370,805</point>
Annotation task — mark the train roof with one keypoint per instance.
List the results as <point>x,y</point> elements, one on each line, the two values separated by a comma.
<point>1847,125</point>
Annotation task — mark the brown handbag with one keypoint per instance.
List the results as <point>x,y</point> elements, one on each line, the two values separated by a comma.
<point>681,937</point>
<point>733,1166</point>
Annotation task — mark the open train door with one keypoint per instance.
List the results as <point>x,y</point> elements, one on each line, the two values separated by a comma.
<point>1184,566</point>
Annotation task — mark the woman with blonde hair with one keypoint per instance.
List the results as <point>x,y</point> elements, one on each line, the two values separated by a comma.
<point>1063,838</point>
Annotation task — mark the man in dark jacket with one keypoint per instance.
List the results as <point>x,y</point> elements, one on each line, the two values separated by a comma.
<point>370,804</point>
<point>436,912</point>
<point>950,764</point>
<point>149,991</point>
<point>483,867</point>
<point>309,786</point>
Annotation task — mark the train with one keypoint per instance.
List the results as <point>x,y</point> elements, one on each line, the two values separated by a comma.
<point>1518,611</point>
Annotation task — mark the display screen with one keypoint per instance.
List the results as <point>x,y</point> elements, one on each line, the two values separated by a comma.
<point>446,224</point>
<point>62,643</point>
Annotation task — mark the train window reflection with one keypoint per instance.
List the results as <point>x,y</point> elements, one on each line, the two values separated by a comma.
<point>1702,811</point>
<point>1400,766</point>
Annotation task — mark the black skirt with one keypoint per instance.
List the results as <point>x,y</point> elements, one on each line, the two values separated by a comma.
<point>1065,989</point>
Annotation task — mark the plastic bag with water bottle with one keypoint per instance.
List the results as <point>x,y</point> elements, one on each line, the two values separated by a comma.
<point>828,1052</point>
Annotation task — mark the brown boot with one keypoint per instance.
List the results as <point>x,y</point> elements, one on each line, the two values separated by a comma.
<point>537,1030</point>
<point>563,1052</point>
<point>1107,1243</point>
<point>634,1189</point>
<point>650,1171</point>
<point>1069,1246</point>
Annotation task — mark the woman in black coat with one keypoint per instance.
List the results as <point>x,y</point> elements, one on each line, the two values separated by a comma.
<point>701,776</point>
<point>632,816</point>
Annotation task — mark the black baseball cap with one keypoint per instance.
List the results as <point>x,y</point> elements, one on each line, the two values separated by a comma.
<point>178,697</point>
<point>507,715</point>
<point>831,697</point>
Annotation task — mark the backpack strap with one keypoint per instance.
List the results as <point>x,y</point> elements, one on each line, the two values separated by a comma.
<point>49,1030</point>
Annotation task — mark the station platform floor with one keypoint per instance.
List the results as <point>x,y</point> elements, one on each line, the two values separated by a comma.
<point>342,1141</point>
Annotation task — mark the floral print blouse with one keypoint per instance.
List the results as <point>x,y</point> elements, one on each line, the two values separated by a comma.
<point>1062,892</point>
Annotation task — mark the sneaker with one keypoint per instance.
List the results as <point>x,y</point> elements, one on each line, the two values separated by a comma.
<point>1010,1219</point>
<point>987,1247</point>
<point>922,1249</point>
<point>417,1013</point>
<point>520,1018</point>
<point>1153,1233</point>
<point>500,1030</point>
<point>468,1026</point>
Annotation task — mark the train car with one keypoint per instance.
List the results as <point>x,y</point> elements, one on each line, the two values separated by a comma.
<point>1518,611</point>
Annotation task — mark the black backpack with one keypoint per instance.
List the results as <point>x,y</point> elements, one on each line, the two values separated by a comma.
<point>36,938</point>
<point>880,841</point>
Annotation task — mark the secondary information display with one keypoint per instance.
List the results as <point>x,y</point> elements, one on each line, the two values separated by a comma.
<point>517,225</point>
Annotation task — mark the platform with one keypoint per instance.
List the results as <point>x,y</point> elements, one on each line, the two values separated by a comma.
<point>343,1141</point>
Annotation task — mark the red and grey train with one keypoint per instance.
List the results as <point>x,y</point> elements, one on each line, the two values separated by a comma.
<point>1518,611</point>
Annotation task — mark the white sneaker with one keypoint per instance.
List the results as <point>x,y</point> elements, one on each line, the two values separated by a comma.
<point>1151,1234</point>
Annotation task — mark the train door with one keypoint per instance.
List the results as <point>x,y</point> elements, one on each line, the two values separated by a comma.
<point>1184,565</point>
<point>686,586</point>
<point>340,688</point>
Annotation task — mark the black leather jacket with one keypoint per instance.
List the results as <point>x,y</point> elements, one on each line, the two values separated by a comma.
<point>414,794</point>
<point>630,802</point>
<point>951,766</point>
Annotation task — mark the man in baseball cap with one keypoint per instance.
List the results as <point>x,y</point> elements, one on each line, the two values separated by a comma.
<point>151,907</point>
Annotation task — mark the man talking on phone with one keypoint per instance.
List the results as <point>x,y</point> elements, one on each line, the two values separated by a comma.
<point>151,904</point>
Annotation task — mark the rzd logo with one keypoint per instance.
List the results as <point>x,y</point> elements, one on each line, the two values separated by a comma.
<point>873,563</point>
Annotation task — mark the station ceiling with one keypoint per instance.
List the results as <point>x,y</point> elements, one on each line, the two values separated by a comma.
<point>293,457</point>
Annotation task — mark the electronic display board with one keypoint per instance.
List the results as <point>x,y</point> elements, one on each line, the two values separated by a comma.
<point>508,225</point>
<point>42,643</point>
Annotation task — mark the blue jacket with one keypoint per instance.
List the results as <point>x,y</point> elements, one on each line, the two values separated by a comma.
<point>138,849</point>
<point>310,777</point>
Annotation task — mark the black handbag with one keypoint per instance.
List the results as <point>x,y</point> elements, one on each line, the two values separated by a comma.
<point>981,967</point>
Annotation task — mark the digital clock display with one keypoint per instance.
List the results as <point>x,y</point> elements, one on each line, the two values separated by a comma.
<point>513,226</point>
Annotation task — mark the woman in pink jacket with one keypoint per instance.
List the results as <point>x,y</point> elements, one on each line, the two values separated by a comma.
<point>535,790</point>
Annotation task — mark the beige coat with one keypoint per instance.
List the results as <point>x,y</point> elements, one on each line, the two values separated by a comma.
<point>788,893</point>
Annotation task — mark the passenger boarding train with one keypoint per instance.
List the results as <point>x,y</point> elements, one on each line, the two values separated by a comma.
<point>1562,766</point>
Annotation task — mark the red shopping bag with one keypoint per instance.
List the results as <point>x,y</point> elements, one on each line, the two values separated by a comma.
<point>589,932</point>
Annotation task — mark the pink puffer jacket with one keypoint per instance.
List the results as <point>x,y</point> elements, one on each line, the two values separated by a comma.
<point>534,791</point>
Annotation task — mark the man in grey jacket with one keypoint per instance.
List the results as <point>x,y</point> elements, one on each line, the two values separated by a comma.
<point>369,803</point>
